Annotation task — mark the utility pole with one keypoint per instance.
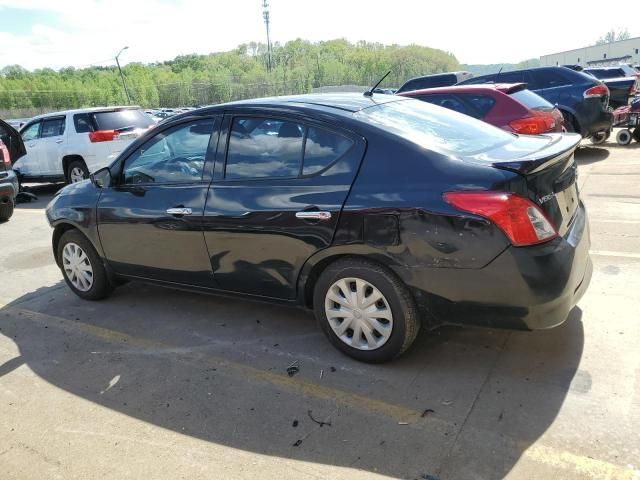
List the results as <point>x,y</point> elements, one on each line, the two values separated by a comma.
<point>124,85</point>
<point>265,15</point>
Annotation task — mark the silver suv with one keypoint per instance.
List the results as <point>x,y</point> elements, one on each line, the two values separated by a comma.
<point>68,146</point>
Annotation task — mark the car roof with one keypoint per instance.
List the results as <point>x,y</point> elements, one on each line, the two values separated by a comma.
<point>482,87</point>
<point>85,110</point>
<point>346,102</point>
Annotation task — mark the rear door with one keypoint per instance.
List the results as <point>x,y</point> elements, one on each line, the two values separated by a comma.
<point>277,200</point>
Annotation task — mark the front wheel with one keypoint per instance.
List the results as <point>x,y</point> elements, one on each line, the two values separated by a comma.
<point>623,137</point>
<point>365,310</point>
<point>82,268</point>
<point>6,208</point>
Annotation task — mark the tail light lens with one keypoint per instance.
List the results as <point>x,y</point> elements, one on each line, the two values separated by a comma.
<point>597,91</point>
<point>103,136</point>
<point>533,125</point>
<point>5,158</point>
<point>519,218</point>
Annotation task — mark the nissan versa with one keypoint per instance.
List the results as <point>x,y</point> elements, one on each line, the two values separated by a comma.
<point>382,214</point>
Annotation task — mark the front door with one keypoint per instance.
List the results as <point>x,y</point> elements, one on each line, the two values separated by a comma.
<point>150,222</point>
<point>30,164</point>
<point>277,202</point>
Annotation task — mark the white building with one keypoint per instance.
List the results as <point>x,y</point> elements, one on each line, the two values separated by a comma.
<point>624,51</point>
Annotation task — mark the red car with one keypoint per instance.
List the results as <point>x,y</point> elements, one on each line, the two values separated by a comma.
<point>509,106</point>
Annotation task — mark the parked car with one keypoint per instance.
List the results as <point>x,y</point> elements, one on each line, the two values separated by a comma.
<point>11,147</point>
<point>622,85</point>
<point>433,81</point>
<point>398,209</point>
<point>582,99</point>
<point>68,146</point>
<point>508,106</point>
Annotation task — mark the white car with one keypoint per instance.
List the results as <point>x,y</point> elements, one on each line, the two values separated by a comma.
<point>68,146</point>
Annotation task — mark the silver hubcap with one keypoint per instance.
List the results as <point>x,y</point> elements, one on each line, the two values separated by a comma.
<point>76,174</point>
<point>77,267</point>
<point>358,314</point>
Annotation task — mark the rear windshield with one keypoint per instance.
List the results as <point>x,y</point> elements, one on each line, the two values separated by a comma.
<point>122,119</point>
<point>531,100</point>
<point>435,128</point>
<point>614,73</point>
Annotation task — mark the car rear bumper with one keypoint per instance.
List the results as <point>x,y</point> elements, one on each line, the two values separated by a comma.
<point>523,288</point>
<point>9,186</point>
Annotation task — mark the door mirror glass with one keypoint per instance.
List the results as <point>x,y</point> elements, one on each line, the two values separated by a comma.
<point>101,178</point>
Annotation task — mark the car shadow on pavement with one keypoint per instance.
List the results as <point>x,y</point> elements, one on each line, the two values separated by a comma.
<point>462,403</point>
<point>586,155</point>
<point>43,193</point>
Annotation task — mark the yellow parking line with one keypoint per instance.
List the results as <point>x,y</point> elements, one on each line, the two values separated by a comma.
<point>588,468</point>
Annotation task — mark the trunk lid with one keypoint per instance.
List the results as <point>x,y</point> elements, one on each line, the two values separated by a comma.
<point>547,165</point>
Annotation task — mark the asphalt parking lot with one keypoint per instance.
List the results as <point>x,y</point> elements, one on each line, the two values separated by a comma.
<point>157,383</point>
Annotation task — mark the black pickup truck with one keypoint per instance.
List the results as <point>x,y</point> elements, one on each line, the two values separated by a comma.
<point>621,86</point>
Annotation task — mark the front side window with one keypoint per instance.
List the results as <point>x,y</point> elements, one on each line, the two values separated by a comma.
<point>176,155</point>
<point>264,147</point>
<point>31,132</point>
<point>53,127</point>
<point>322,148</point>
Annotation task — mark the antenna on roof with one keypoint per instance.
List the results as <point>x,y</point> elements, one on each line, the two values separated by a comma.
<point>369,93</point>
<point>498,75</point>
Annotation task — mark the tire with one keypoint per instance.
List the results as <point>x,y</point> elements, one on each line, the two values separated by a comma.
<point>599,138</point>
<point>569,122</point>
<point>99,286</point>
<point>77,171</point>
<point>636,134</point>
<point>6,208</point>
<point>397,304</point>
<point>623,137</point>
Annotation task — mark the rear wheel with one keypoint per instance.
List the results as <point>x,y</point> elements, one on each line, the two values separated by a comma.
<point>365,311</point>
<point>569,122</point>
<point>77,171</point>
<point>599,138</point>
<point>623,137</point>
<point>82,268</point>
<point>6,208</point>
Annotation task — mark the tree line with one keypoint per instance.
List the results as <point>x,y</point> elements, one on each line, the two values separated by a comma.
<point>298,66</point>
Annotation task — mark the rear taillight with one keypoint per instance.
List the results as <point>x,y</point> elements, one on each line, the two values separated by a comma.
<point>533,125</point>
<point>519,218</point>
<point>597,91</point>
<point>103,136</point>
<point>5,158</point>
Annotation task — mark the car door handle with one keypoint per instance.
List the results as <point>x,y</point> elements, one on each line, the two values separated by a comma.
<point>313,215</point>
<point>179,211</point>
<point>59,140</point>
<point>31,145</point>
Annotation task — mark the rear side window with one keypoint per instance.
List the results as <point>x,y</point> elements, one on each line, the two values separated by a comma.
<point>263,147</point>
<point>540,79</point>
<point>82,123</point>
<point>481,103</point>
<point>446,101</point>
<point>52,127</point>
<point>530,100</point>
<point>322,148</point>
<point>433,128</point>
<point>122,119</point>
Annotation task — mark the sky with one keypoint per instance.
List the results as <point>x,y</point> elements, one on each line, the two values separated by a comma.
<point>80,33</point>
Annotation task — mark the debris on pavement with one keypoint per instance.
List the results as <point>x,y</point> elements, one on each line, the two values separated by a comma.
<point>426,412</point>
<point>293,368</point>
<point>403,423</point>
<point>294,424</point>
<point>319,422</point>
<point>298,443</point>
<point>447,403</point>
<point>321,373</point>
<point>333,369</point>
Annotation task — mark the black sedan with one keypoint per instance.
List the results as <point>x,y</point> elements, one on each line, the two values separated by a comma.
<point>382,214</point>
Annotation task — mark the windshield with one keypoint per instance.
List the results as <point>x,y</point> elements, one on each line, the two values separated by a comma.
<point>118,119</point>
<point>435,128</point>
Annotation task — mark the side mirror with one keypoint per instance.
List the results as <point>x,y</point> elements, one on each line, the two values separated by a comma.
<point>101,178</point>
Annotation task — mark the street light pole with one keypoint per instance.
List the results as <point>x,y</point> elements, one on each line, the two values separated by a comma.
<point>124,85</point>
